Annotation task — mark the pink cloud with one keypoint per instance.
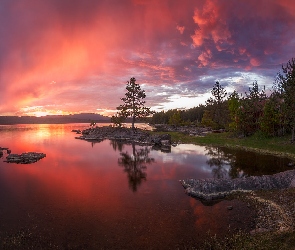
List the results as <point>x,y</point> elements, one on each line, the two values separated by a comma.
<point>90,50</point>
<point>180,29</point>
<point>205,57</point>
<point>255,62</point>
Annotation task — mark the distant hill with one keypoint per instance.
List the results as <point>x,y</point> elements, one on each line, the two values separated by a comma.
<point>54,119</point>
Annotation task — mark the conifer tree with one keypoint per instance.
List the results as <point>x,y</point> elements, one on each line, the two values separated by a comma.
<point>133,103</point>
<point>215,105</point>
<point>285,83</point>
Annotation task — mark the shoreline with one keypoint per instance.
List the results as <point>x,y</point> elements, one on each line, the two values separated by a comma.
<point>274,209</point>
<point>277,146</point>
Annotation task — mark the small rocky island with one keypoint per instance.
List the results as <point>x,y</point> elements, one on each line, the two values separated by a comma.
<point>137,136</point>
<point>24,158</point>
<point>214,189</point>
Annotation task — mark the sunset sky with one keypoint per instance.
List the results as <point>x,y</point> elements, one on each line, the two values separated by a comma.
<point>72,56</point>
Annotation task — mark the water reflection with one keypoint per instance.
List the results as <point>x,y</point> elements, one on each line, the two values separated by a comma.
<point>162,148</point>
<point>78,197</point>
<point>222,162</point>
<point>117,145</point>
<point>218,161</point>
<point>234,163</point>
<point>135,164</point>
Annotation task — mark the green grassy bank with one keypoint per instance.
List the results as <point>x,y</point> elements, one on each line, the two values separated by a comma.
<point>259,143</point>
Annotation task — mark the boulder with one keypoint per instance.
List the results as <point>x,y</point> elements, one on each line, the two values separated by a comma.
<point>164,139</point>
<point>212,189</point>
<point>25,158</point>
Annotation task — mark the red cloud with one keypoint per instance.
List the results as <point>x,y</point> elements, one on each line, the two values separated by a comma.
<point>91,49</point>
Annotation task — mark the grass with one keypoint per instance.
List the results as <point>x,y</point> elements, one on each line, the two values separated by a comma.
<point>272,145</point>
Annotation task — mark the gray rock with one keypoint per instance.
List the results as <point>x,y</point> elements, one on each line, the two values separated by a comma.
<point>191,130</point>
<point>127,135</point>
<point>161,139</point>
<point>25,158</point>
<point>211,189</point>
<point>292,184</point>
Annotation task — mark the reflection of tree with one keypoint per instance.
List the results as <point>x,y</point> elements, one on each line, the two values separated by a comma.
<point>254,164</point>
<point>117,145</point>
<point>93,142</point>
<point>218,160</point>
<point>236,169</point>
<point>135,165</point>
<point>243,163</point>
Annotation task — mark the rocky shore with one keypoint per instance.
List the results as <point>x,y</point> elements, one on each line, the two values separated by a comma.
<point>24,158</point>
<point>127,135</point>
<point>214,189</point>
<point>190,130</point>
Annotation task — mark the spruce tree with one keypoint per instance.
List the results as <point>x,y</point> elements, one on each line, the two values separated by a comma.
<point>134,105</point>
<point>285,83</point>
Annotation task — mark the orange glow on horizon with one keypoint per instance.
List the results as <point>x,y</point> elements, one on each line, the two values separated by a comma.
<point>77,57</point>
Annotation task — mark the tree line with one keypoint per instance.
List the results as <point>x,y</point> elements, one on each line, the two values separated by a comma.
<point>247,113</point>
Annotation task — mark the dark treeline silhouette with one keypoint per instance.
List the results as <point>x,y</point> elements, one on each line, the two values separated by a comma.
<point>246,113</point>
<point>179,117</point>
<point>54,119</point>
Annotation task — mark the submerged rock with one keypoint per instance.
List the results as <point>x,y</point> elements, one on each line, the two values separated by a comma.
<point>212,189</point>
<point>25,158</point>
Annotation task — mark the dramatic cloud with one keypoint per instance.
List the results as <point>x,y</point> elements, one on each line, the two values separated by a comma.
<point>76,56</point>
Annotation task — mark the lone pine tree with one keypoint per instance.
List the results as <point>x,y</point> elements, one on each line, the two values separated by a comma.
<point>134,105</point>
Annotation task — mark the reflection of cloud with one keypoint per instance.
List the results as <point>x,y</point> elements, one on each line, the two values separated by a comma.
<point>167,158</point>
<point>184,161</point>
<point>189,149</point>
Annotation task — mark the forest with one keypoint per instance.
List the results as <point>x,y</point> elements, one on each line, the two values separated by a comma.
<point>243,113</point>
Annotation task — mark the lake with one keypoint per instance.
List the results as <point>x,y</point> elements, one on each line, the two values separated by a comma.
<point>109,195</point>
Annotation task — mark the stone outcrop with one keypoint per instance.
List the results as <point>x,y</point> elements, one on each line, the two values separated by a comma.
<point>8,151</point>
<point>25,158</point>
<point>213,189</point>
<point>127,135</point>
<point>190,130</point>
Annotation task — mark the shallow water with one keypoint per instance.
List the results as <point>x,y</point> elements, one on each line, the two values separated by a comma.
<point>106,195</point>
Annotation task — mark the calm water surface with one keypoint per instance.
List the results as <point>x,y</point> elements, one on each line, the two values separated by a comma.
<point>85,195</point>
